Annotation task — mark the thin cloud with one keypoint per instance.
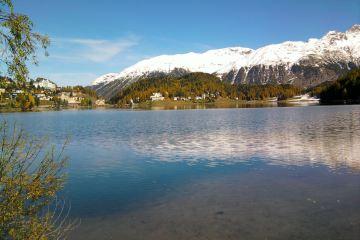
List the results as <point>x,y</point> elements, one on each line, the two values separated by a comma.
<point>93,50</point>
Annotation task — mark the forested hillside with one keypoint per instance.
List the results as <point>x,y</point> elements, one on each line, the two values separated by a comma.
<point>345,89</point>
<point>200,84</point>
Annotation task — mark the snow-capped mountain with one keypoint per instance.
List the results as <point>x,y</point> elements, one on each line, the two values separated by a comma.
<point>301,63</point>
<point>209,62</point>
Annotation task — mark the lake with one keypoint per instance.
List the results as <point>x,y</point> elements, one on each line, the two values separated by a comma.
<point>255,173</point>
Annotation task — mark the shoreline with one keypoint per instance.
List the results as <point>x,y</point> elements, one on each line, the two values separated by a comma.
<point>182,105</point>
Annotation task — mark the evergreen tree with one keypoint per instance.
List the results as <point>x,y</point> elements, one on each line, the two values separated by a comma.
<point>345,89</point>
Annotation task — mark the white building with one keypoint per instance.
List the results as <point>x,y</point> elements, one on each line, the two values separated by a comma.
<point>100,102</point>
<point>303,98</point>
<point>202,97</point>
<point>66,96</point>
<point>157,97</point>
<point>45,83</point>
<point>42,97</point>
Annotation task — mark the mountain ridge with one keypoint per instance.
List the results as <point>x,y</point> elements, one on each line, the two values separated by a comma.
<point>296,62</point>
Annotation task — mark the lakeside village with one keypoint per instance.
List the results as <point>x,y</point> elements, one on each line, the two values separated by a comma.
<point>43,93</point>
<point>203,88</point>
<point>207,97</point>
<point>298,98</point>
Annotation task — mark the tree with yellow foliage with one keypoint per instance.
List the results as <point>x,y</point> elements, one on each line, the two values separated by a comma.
<point>30,173</point>
<point>30,177</point>
<point>25,101</point>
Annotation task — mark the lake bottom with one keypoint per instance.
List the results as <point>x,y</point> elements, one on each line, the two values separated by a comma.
<point>261,202</point>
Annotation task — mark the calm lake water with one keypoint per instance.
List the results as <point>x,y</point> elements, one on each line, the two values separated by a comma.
<point>257,173</point>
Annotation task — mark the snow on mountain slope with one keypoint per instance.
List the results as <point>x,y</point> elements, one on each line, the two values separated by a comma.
<point>212,61</point>
<point>344,45</point>
<point>281,63</point>
<point>106,78</point>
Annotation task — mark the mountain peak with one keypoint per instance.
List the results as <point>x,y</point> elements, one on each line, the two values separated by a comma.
<point>354,29</point>
<point>105,78</point>
<point>334,36</point>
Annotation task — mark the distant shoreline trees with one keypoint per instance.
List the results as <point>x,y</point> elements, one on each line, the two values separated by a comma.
<point>344,90</point>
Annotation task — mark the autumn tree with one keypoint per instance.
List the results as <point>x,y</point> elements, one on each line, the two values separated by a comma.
<point>31,174</point>
<point>26,101</point>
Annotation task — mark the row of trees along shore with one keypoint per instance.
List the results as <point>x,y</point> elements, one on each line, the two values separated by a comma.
<point>196,84</point>
<point>31,174</point>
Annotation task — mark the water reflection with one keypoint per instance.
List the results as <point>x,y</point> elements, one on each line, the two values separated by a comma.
<point>311,136</point>
<point>145,175</point>
<point>328,135</point>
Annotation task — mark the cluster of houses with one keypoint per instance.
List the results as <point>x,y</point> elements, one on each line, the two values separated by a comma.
<point>159,97</point>
<point>75,98</point>
<point>45,90</point>
<point>43,97</point>
<point>72,98</point>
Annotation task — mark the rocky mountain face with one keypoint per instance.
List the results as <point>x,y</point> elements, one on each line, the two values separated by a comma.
<point>304,64</point>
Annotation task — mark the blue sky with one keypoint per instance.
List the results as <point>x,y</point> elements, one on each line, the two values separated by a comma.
<point>91,38</point>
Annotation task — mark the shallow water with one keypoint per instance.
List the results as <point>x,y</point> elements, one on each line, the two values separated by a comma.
<point>257,173</point>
